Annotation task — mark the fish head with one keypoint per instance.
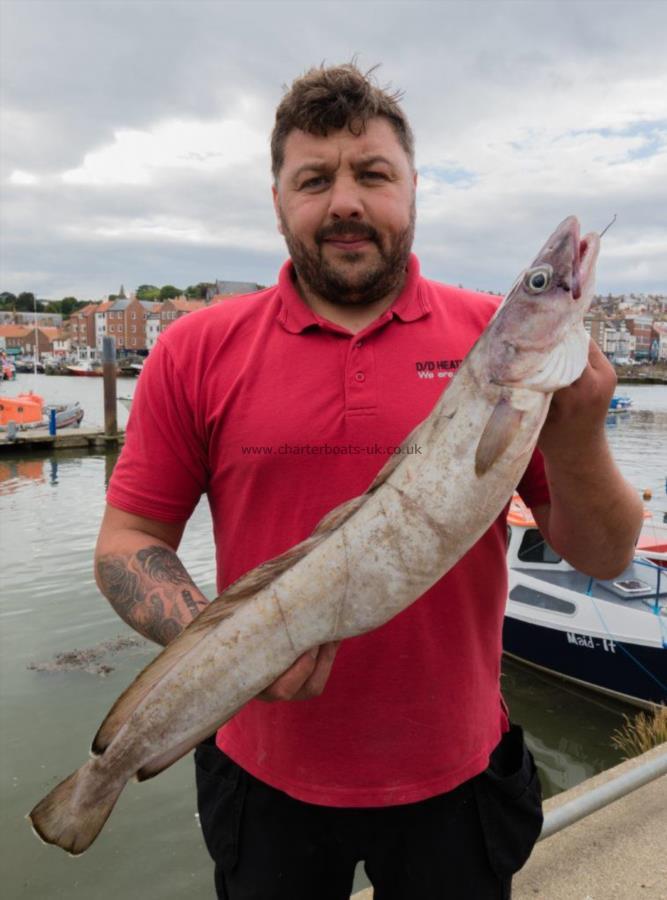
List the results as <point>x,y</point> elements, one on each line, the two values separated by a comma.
<point>537,339</point>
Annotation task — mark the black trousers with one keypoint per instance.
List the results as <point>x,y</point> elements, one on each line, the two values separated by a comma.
<point>462,845</point>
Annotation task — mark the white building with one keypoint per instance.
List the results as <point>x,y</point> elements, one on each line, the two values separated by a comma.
<point>152,330</point>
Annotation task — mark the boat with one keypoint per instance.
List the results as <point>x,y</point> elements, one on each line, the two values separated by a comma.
<point>28,410</point>
<point>85,369</point>
<point>68,415</point>
<point>618,403</point>
<point>608,635</point>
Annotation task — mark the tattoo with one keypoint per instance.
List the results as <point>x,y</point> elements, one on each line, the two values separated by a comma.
<point>147,591</point>
<point>161,564</point>
<point>194,607</point>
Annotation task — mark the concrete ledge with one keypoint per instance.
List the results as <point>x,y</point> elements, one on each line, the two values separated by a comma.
<point>616,853</point>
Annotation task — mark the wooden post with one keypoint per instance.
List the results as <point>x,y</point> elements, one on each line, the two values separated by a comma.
<point>109,372</point>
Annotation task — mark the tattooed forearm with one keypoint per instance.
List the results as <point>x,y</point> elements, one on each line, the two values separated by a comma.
<point>162,564</point>
<point>151,591</point>
<point>194,607</point>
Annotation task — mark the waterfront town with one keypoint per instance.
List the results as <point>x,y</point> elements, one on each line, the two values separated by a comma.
<point>630,329</point>
<point>134,324</point>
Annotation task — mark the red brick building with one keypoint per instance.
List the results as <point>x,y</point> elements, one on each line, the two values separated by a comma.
<point>173,309</point>
<point>126,323</point>
<point>82,326</point>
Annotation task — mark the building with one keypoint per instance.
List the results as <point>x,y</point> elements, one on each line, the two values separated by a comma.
<point>595,324</point>
<point>618,343</point>
<point>153,323</point>
<point>126,323</point>
<point>640,328</point>
<point>12,338</point>
<point>100,317</point>
<point>223,289</point>
<point>82,327</point>
<point>173,309</point>
<point>19,340</point>
<point>659,342</point>
<point>45,319</point>
<point>22,317</point>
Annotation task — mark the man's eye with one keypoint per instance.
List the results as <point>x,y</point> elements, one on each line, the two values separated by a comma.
<point>319,181</point>
<point>374,176</point>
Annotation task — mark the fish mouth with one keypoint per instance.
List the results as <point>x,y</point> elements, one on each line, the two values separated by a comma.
<point>583,272</point>
<point>584,256</point>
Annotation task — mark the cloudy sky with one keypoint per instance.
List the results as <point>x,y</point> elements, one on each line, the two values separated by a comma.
<point>135,134</point>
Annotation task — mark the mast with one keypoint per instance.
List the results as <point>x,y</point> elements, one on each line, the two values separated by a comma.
<point>36,347</point>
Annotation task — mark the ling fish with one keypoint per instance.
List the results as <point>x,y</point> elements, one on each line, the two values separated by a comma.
<point>368,559</point>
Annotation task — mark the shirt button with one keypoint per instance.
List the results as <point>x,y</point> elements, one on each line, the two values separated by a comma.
<point>360,376</point>
<point>359,344</point>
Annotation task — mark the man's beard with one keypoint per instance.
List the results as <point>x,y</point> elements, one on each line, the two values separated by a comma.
<point>333,283</point>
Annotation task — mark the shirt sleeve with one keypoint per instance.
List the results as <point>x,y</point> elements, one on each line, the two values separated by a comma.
<point>163,468</point>
<point>533,487</point>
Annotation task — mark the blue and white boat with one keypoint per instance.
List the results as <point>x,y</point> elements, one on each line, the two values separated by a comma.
<point>607,635</point>
<point>619,402</point>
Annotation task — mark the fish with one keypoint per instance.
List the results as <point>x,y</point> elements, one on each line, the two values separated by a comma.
<point>368,559</point>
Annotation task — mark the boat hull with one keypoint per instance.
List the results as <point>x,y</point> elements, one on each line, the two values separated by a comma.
<point>632,672</point>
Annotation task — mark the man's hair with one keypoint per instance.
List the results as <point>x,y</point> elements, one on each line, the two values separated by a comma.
<point>330,98</point>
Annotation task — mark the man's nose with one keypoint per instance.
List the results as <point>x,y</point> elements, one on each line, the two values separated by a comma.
<point>345,199</point>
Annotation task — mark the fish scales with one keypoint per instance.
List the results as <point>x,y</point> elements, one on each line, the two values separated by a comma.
<point>368,560</point>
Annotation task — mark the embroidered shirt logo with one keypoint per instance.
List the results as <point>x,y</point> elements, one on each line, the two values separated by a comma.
<point>437,368</point>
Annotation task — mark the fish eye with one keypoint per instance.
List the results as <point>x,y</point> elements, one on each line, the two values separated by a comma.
<point>539,279</point>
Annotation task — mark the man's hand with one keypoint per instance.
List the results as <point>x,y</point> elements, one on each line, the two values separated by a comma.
<point>594,515</point>
<point>577,414</point>
<point>305,678</point>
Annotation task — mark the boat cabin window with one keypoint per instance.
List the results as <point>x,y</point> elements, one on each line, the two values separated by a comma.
<point>522,594</point>
<point>535,549</point>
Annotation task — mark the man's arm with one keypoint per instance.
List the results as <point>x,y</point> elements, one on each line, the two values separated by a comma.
<point>138,571</point>
<point>594,516</point>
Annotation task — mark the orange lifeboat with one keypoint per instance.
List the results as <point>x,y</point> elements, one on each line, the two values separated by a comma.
<point>24,409</point>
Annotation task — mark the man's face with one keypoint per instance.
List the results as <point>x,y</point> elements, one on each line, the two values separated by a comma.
<point>346,207</point>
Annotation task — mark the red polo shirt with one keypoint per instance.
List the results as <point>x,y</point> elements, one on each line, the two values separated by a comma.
<point>279,416</point>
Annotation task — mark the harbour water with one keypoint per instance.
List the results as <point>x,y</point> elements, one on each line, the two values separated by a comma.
<point>50,509</point>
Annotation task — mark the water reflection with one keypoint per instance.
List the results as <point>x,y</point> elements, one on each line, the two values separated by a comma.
<point>15,471</point>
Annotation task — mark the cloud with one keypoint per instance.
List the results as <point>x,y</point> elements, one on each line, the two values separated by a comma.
<point>138,143</point>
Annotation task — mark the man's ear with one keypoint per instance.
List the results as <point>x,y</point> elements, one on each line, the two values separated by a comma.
<point>274,193</point>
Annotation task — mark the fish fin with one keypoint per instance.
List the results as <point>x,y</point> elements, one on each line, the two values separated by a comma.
<point>498,434</point>
<point>563,365</point>
<point>146,680</point>
<point>339,514</point>
<point>160,763</point>
<point>395,459</point>
<point>249,584</point>
<point>73,814</point>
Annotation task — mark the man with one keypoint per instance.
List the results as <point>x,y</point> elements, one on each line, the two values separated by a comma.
<point>273,405</point>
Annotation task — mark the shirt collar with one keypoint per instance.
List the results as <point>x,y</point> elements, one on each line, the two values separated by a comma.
<point>296,316</point>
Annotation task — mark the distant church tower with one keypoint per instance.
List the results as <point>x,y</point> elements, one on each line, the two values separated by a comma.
<point>121,294</point>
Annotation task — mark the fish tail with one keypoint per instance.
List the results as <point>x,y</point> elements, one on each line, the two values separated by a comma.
<point>73,814</point>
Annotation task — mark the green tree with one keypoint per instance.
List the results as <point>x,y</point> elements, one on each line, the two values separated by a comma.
<point>25,301</point>
<point>198,291</point>
<point>168,291</point>
<point>7,300</point>
<point>68,305</point>
<point>148,292</point>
